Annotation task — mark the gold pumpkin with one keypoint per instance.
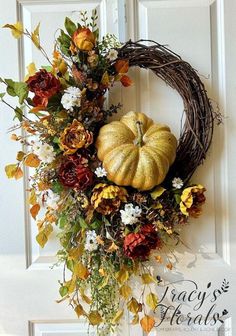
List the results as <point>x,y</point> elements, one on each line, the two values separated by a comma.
<point>135,151</point>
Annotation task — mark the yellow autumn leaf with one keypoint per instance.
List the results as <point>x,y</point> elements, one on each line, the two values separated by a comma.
<point>79,310</point>
<point>35,210</point>
<point>133,306</point>
<point>20,155</point>
<point>43,235</point>
<point>32,197</point>
<point>135,320</point>
<point>147,278</point>
<point>81,271</point>
<point>105,79</point>
<point>157,192</point>
<point>113,247</point>
<point>17,29</point>
<point>147,323</point>
<point>76,252</point>
<point>71,284</point>
<point>102,272</point>
<point>122,276</point>
<point>13,171</point>
<point>118,316</point>
<point>32,160</point>
<point>86,299</point>
<point>35,36</point>
<point>152,300</point>
<point>31,71</point>
<point>125,291</point>
<point>94,317</point>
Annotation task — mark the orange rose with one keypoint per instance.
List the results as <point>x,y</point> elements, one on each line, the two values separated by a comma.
<point>84,39</point>
<point>75,136</point>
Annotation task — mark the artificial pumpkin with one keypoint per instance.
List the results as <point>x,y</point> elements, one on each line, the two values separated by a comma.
<point>135,151</point>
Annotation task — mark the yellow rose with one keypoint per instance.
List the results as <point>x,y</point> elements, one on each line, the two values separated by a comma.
<point>75,136</point>
<point>107,199</point>
<point>84,39</point>
<point>192,199</point>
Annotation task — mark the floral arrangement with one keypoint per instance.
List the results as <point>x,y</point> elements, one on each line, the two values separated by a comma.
<point>109,227</point>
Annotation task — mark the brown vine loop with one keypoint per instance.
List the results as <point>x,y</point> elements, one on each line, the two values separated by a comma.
<point>197,130</point>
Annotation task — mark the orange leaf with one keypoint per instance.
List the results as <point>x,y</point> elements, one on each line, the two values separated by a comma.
<point>18,173</point>
<point>147,323</point>
<point>122,66</point>
<point>32,160</point>
<point>35,210</point>
<point>126,81</point>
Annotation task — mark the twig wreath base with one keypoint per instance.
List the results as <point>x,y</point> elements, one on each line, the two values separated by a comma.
<point>197,131</point>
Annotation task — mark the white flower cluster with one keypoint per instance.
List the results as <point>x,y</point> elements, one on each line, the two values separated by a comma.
<point>177,183</point>
<point>91,243</point>
<point>112,55</point>
<point>100,172</point>
<point>131,214</point>
<point>44,151</point>
<point>71,98</point>
<point>52,199</point>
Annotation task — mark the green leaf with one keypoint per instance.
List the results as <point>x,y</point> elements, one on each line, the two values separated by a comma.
<point>64,41</point>
<point>10,87</point>
<point>48,68</point>
<point>62,221</point>
<point>70,26</point>
<point>18,113</point>
<point>96,224</point>
<point>70,265</point>
<point>63,291</point>
<point>82,223</point>
<point>21,90</point>
<point>57,187</point>
<point>56,140</point>
<point>2,94</point>
<point>177,198</point>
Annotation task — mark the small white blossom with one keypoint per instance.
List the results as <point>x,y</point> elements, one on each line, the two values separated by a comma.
<point>44,151</point>
<point>131,214</point>
<point>52,199</point>
<point>71,98</point>
<point>91,243</point>
<point>100,172</point>
<point>177,183</point>
<point>112,55</point>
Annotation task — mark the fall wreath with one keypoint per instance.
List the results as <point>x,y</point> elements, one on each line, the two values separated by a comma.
<point>119,192</point>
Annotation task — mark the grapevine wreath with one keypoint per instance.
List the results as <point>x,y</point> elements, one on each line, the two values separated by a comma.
<point>119,192</point>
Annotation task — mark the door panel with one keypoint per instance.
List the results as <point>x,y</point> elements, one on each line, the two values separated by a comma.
<point>199,31</point>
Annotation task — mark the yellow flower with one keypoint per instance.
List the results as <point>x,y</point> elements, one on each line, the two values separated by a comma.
<point>107,198</point>
<point>75,136</point>
<point>84,39</point>
<point>192,199</point>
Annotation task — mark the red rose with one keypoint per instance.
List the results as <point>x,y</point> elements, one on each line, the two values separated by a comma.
<point>74,173</point>
<point>44,85</point>
<point>139,245</point>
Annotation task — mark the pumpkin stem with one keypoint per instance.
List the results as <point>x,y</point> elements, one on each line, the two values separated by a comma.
<point>140,133</point>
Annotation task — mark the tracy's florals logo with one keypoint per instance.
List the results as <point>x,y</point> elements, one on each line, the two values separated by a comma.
<point>193,306</point>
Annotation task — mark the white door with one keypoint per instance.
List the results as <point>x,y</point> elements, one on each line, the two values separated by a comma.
<point>203,32</point>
